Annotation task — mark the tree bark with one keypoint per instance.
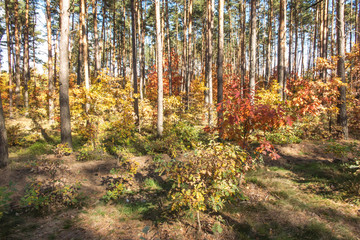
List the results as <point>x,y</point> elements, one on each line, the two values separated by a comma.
<point>26,64</point>
<point>281,48</point>
<point>9,44</point>
<point>342,118</point>
<point>4,155</point>
<point>268,51</point>
<point>160,111</point>
<point>85,53</point>
<point>97,57</point>
<point>50,64</point>
<point>65,121</point>
<point>220,63</point>
<point>134,68</point>
<point>17,53</point>
<point>252,47</point>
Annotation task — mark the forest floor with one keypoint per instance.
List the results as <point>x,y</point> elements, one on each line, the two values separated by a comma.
<point>299,196</point>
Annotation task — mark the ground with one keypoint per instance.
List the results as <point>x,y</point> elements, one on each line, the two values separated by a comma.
<point>299,196</point>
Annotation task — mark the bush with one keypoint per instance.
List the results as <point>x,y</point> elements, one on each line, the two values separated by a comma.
<point>208,178</point>
<point>5,198</point>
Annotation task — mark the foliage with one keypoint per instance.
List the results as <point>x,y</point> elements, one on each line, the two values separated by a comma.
<point>207,178</point>
<point>14,133</point>
<point>242,117</point>
<point>40,194</point>
<point>111,110</point>
<point>177,138</point>
<point>61,150</point>
<point>116,184</point>
<point>5,198</point>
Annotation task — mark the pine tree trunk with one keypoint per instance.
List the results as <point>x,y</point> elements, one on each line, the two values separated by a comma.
<point>11,113</point>
<point>65,122</point>
<point>281,47</point>
<point>4,155</point>
<point>134,68</point>
<point>220,62</point>
<point>252,47</point>
<point>97,58</point>
<point>268,51</point>
<point>342,118</point>
<point>17,53</point>
<point>159,70</point>
<point>50,64</point>
<point>85,53</point>
<point>26,58</point>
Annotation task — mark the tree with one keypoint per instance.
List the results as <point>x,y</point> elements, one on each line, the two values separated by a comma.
<point>281,47</point>
<point>134,62</point>
<point>50,64</point>
<point>4,155</point>
<point>97,59</point>
<point>160,111</point>
<point>26,57</point>
<point>17,53</point>
<point>340,25</point>
<point>9,47</point>
<point>252,50</point>
<point>268,51</point>
<point>65,122</point>
<point>220,62</point>
<point>84,51</point>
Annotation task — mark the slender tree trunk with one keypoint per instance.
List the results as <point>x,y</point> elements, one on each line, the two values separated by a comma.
<point>9,58</point>
<point>188,53</point>
<point>268,52</point>
<point>168,46</point>
<point>342,118</point>
<point>252,47</point>
<point>159,70</point>
<point>142,54</point>
<point>50,64</point>
<point>65,122</point>
<point>96,38</point>
<point>4,155</point>
<point>281,47</point>
<point>296,22</point>
<point>134,68</point>
<point>26,58</point>
<point>17,53</point>
<point>243,53</point>
<point>220,63</point>
<point>85,53</point>
<point>290,36</point>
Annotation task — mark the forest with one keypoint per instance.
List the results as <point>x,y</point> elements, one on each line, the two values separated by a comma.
<point>183,119</point>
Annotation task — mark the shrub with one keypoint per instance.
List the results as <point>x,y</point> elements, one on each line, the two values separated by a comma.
<point>5,198</point>
<point>208,178</point>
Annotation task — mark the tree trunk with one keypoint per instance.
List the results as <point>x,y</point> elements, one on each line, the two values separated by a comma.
<point>65,122</point>
<point>188,53</point>
<point>85,53</point>
<point>9,59</point>
<point>243,53</point>
<point>252,47</point>
<point>134,68</point>
<point>168,46</point>
<point>26,58</point>
<point>4,155</point>
<point>268,52</point>
<point>342,118</point>
<point>17,53</point>
<point>281,48</point>
<point>220,64</point>
<point>160,111</point>
<point>50,64</point>
<point>96,38</point>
